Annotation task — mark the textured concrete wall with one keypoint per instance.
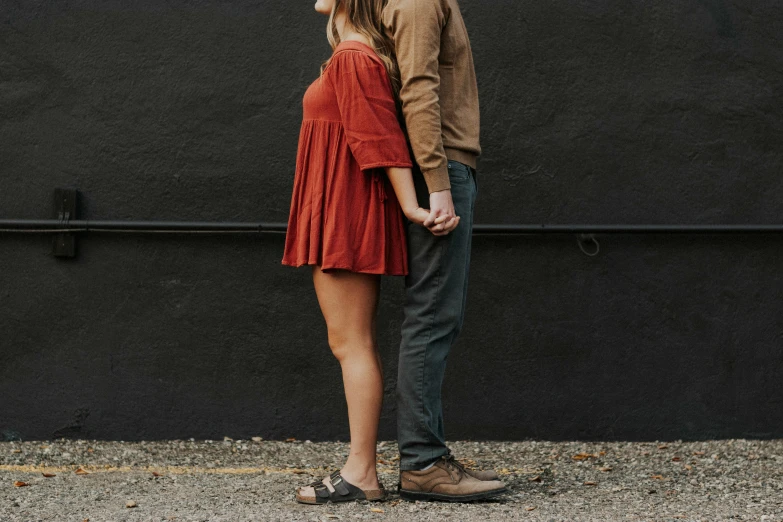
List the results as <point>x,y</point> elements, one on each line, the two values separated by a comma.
<point>592,112</point>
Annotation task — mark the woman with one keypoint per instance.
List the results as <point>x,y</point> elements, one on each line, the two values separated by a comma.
<point>353,185</point>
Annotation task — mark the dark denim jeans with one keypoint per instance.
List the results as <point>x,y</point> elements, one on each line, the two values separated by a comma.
<point>436,292</point>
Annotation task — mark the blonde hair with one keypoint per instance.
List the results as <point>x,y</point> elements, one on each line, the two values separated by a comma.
<point>364,16</point>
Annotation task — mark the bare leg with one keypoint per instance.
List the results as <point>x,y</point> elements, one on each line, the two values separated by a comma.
<point>349,303</point>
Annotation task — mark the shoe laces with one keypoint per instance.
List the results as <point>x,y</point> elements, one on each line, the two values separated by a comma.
<point>452,463</point>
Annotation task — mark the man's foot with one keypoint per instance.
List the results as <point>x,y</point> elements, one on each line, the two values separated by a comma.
<point>481,474</point>
<point>448,481</point>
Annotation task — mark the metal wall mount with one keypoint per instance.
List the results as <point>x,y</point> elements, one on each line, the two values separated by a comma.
<point>65,208</point>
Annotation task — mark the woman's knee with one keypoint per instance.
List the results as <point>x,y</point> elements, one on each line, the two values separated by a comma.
<point>347,344</point>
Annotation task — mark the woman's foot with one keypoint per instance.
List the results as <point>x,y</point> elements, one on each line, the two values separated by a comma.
<point>362,479</point>
<point>336,488</point>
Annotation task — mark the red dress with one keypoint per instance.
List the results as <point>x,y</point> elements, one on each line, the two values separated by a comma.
<point>344,212</point>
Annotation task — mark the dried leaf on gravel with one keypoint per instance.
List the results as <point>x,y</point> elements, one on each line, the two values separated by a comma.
<point>80,471</point>
<point>156,474</point>
<point>656,477</point>
<point>605,468</point>
<point>291,439</point>
<point>20,484</point>
<point>699,453</point>
<point>585,456</point>
<point>376,510</point>
<point>676,459</point>
<point>530,508</point>
<point>48,475</point>
<point>537,478</point>
<point>663,446</point>
<point>590,483</point>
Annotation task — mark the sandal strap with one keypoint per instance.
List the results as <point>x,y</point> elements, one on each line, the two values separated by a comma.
<point>321,490</point>
<point>340,485</point>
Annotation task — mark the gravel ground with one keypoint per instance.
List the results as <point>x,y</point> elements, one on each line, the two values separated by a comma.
<point>238,480</point>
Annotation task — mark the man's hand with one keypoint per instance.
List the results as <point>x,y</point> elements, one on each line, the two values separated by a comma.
<point>442,219</point>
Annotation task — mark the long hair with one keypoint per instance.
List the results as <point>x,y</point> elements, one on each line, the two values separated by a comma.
<point>365,18</point>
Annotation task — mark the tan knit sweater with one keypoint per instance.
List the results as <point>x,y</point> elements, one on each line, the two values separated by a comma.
<point>439,92</point>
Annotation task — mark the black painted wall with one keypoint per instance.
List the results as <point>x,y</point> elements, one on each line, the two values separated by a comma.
<point>592,112</point>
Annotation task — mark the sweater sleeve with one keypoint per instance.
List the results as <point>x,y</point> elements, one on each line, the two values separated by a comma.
<point>367,111</point>
<point>416,27</point>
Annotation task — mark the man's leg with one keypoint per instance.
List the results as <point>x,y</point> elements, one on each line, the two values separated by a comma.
<point>436,293</point>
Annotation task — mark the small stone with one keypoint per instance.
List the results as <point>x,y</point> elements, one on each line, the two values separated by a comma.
<point>130,504</point>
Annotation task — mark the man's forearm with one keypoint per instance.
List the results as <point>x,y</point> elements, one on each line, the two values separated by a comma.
<point>416,27</point>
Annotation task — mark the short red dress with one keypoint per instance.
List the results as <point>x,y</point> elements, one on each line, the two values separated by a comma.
<point>344,212</point>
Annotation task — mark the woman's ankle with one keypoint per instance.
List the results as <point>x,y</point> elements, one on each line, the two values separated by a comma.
<point>360,475</point>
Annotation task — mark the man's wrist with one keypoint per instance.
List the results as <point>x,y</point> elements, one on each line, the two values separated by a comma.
<point>437,179</point>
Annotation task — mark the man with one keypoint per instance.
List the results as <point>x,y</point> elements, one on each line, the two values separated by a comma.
<point>440,106</point>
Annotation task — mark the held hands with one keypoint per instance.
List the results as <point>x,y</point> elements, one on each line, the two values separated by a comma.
<point>440,220</point>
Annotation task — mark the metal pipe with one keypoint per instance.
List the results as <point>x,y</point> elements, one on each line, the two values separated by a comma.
<point>84,225</point>
<point>44,226</point>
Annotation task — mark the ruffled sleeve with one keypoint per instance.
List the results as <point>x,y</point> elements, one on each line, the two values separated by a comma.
<point>367,110</point>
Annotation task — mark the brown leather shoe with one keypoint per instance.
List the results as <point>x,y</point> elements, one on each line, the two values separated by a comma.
<point>481,474</point>
<point>447,480</point>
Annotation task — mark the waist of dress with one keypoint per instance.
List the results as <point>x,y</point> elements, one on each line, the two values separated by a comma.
<point>378,174</point>
<point>313,120</point>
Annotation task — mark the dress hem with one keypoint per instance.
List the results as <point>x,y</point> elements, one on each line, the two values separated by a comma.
<point>372,271</point>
